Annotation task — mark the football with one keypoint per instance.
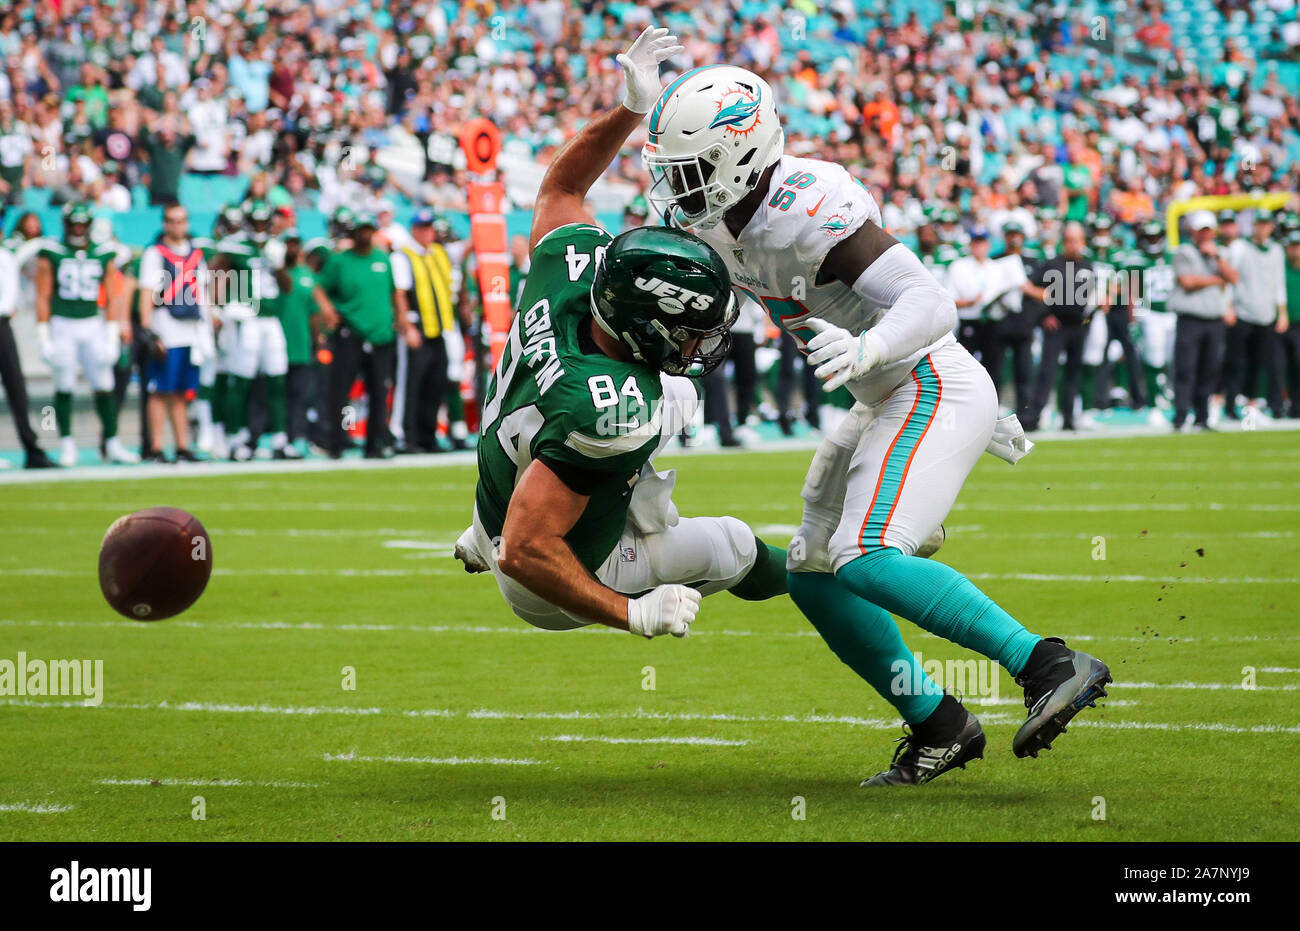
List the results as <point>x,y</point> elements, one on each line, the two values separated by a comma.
<point>155,563</point>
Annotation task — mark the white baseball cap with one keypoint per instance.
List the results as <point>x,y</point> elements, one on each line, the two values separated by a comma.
<point>1202,220</point>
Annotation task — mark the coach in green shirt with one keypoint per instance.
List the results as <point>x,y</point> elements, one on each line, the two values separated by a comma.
<point>359,303</point>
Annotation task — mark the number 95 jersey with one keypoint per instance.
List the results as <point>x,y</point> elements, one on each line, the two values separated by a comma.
<point>556,395</point>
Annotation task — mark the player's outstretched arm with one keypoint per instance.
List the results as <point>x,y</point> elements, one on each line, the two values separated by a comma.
<point>886,273</point>
<point>534,553</point>
<point>584,158</point>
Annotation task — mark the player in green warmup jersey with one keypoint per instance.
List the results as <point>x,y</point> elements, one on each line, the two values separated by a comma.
<point>1158,323</point>
<point>217,345</point>
<point>74,335</point>
<point>1119,271</point>
<point>598,374</point>
<point>254,278</point>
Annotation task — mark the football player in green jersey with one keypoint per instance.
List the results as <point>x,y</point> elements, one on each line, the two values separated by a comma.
<point>1119,273</point>
<point>216,346</point>
<point>570,516</point>
<point>74,335</point>
<point>1158,323</point>
<point>253,282</point>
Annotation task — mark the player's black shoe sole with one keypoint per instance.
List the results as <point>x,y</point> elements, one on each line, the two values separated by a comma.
<point>917,761</point>
<point>1073,682</point>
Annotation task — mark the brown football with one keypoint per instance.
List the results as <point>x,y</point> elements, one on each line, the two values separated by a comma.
<point>155,563</point>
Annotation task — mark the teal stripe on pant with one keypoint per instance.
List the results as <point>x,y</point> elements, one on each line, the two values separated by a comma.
<point>890,485</point>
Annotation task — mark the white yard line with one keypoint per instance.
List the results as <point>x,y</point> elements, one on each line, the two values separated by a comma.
<point>214,783</point>
<point>521,628</point>
<point>420,573</point>
<point>35,808</point>
<point>690,741</point>
<point>433,761</point>
<point>1202,726</point>
<point>889,724</point>
<point>1144,507</point>
<point>1208,686</point>
<point>1179,448</point>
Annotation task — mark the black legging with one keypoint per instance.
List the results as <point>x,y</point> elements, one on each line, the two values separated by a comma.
<point>1068,337</point>
<point>11,374</point>
<point>785,383</point>
<point>426,388</point>
<point>1117,330</point>
<point>746,373</point>
<point>1198,359</point>
<point>376,367</point>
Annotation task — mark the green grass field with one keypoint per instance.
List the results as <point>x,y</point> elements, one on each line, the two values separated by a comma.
<point>458,705</point>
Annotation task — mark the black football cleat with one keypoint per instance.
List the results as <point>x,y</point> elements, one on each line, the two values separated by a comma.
<point>920,758</point>
<point>1059,686</point>
<point>36,459</point>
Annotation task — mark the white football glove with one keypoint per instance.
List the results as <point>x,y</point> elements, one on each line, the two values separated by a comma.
<point>641,67</point>
<point>46,344</point>
<point>668,609</point>
<point>838,355</point>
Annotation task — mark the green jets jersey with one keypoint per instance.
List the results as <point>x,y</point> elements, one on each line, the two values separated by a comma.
<point>554,397</point>
<point>938,260</point>
<point>1103,270</point>
<point>79,272</point>
<point>1158,283</point>
<point>255,279</point>
<point>1130,268</point>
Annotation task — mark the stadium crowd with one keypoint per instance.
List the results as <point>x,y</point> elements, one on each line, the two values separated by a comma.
<point>1017,147</point>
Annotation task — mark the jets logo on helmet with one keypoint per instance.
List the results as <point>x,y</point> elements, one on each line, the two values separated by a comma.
<point>738,112</point>
<point>674,299</point>
<point>713,133</point>
<point>666,295</point>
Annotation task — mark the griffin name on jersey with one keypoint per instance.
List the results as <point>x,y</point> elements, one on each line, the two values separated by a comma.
<point>556,395</point>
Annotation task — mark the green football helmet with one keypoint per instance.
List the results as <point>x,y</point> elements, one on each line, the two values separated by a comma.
<point>77,217</point>
<point>1152,237</point>
<point>260,215</point>
<point>229,221</point>
<point>656,290</point>
<point>340,224</point>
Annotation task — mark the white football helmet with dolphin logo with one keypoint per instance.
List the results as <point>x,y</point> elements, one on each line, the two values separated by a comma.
<point>712,133</point>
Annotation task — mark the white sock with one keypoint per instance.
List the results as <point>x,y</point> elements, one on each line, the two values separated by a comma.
<point>203,414</point>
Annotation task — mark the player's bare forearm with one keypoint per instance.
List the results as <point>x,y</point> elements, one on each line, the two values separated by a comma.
<point>576,167</point>
<point>115,301</point>
<point>534,553</point>
<point>547,567</point>
<point>44,288</point>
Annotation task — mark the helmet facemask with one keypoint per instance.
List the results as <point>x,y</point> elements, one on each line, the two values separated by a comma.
<point>77,233</point>
<point>710,352</point>
<point>686,187</point>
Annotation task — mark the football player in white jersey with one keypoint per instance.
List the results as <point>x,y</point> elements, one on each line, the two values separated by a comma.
<point>804,238</point>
